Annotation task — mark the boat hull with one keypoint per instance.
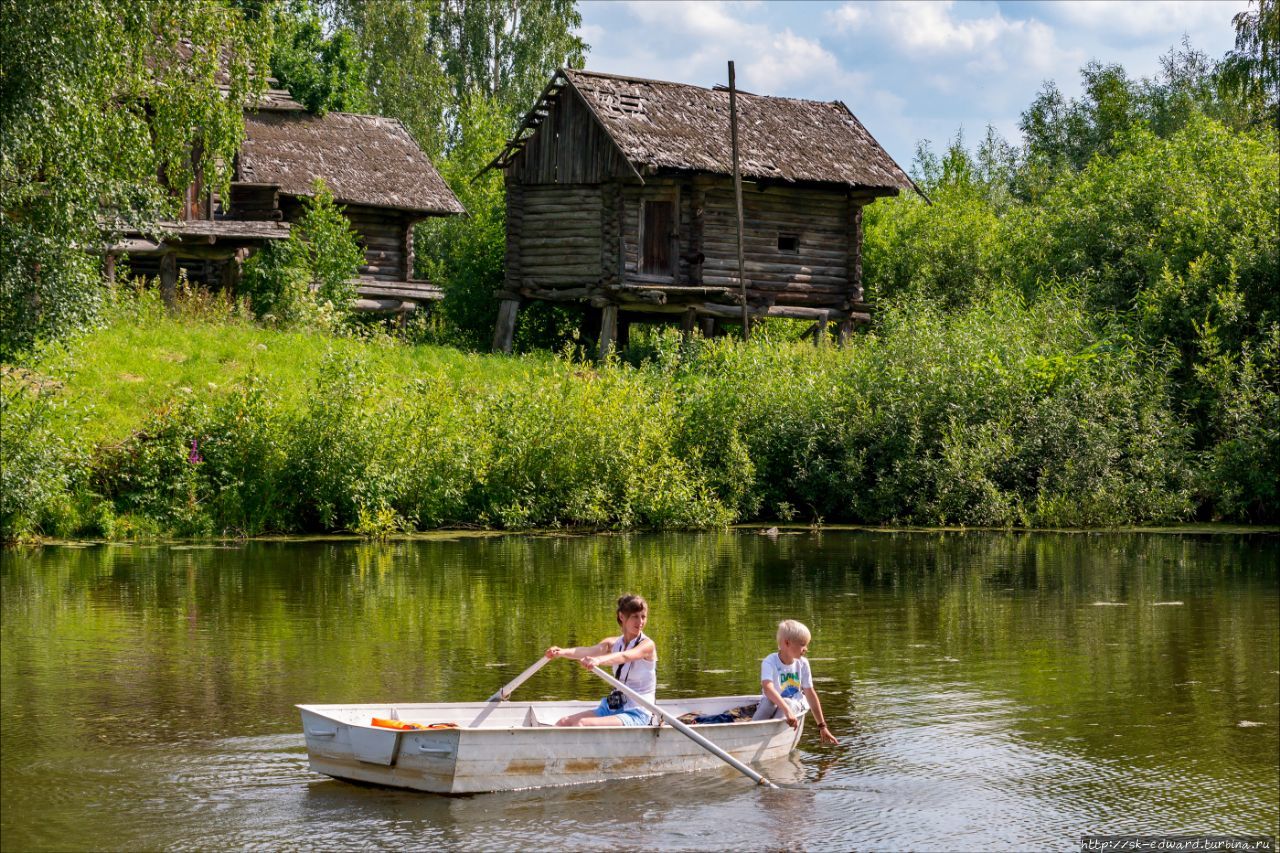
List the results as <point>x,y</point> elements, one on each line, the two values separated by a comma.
<point>506,746</point>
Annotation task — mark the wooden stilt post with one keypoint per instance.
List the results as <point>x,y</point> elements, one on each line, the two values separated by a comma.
<point>109,270</point>
<point>846,331</point>
<point>169,279</point>
<point>708,327</point>
<point>608,330</point>
<point>820,330</point>
<point>505,329</point>
<point>687,324</point>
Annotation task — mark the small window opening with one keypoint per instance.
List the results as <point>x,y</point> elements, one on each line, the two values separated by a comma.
<point>789,243</point>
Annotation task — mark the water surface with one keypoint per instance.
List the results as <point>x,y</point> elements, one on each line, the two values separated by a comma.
<point>991,691</point>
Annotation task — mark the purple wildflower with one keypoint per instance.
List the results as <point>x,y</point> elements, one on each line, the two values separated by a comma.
<point>194,456</point>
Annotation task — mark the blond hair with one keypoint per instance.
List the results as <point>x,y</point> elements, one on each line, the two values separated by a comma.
<point>796,632</point>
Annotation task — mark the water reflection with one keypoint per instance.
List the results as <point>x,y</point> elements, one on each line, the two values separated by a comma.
<point>991,690</point>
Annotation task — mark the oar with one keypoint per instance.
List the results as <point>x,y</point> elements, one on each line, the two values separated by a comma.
<point>684,730</point>
<point>505,692</point>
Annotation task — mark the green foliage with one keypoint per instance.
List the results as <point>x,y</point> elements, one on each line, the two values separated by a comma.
<point>949,250</point>
<point>100,108</point>
<point>33,478</point>
<point>307,279</point>
<point>426,58</point>
<point>405,77</point>
<point>1241,399</point>
<point>1182,228</point>
<point>506,51</point>
<point>465,254</point>
<point>322,73</point>
<point>998,414</point>
<point>1251,72</point>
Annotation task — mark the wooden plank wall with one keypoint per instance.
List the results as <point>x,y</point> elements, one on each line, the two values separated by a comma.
<point>382,233</point>
<point>568,148</point>
<point>253,201</point>
<point>815,276</point>
<point>561,235</point>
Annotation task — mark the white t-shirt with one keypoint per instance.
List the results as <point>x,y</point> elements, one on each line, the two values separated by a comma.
<point>789,678</point>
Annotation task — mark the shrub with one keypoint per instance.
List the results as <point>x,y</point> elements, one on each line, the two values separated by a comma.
<point>307,280</point>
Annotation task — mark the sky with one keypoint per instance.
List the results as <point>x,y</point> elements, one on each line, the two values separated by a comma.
<point>909,69</point>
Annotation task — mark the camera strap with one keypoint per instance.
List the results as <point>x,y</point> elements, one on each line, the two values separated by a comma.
<point>623,667</point>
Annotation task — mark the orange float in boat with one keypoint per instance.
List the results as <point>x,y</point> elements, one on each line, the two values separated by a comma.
<point>396,724</point>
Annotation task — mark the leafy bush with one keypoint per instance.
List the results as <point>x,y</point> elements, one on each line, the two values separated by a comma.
<point>306,280</point>
<point>35,476</point>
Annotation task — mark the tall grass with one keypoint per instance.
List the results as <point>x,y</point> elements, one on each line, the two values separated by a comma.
<point>204,424</point>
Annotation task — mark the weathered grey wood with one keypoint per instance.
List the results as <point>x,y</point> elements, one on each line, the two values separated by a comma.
<point>368,305</point>
<point>109,269</point>
<point>737,192</point>
<point>820,329</point>
<point>846,332</point>
<point>855,257</point>
<point>687,323</point>
<point>505,329</point>
<point>608,330</point>
<point>169,279</point>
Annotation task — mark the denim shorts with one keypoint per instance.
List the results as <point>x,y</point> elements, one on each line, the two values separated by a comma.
<point>629,717</point>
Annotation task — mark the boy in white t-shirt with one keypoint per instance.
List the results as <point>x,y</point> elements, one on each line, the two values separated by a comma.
<point>786,681</point>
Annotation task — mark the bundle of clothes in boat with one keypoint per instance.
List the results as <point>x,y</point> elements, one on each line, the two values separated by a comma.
<point>741,714</point>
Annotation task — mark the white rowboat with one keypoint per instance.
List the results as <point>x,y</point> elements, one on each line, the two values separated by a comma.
<point>504,746</point>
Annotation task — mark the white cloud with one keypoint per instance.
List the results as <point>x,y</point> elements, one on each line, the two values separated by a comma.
<point>1148,19</point>
<point>696,38</point>
<point>933,29</point>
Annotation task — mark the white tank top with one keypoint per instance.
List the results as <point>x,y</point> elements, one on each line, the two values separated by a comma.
<point>640,675</point>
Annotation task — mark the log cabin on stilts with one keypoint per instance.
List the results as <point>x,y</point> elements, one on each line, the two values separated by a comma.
<point>621,199</point>
<point>374,168</point>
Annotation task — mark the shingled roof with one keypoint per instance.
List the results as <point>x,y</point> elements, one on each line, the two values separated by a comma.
<point>658,125</point>
<point>369,160</point>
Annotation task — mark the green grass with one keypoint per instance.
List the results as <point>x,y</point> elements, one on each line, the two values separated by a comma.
<point>114,379</point>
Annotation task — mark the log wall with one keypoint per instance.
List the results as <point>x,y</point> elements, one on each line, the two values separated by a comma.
<point>560,235</point>
<point>817,274</point>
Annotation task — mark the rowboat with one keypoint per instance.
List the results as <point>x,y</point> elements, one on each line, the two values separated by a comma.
<point>505,746</point>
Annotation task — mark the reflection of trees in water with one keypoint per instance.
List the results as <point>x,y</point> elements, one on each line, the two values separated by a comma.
<point>244,633</point>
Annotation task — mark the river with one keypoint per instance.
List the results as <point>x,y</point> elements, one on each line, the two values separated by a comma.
<point>990,691</point>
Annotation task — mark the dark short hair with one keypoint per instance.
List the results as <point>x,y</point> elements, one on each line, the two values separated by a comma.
<point>630,604</point>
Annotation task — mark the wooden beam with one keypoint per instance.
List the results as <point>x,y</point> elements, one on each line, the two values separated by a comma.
<point>608,330</point>
<point>846,332</point>
<point>687,323</point>
<point>505,329</point>
<point>169,279</point>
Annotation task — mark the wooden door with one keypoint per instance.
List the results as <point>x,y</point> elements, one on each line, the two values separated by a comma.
<point>659,220</point>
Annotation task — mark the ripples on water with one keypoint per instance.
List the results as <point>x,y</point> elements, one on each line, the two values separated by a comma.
<point>983,701</point>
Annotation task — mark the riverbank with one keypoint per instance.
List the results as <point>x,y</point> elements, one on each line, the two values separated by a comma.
<point>207,425</point>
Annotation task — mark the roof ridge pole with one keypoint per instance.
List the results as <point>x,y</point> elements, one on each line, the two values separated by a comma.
<point>737,193</point>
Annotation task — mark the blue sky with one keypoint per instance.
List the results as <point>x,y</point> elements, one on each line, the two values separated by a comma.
<point>911,70</point>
